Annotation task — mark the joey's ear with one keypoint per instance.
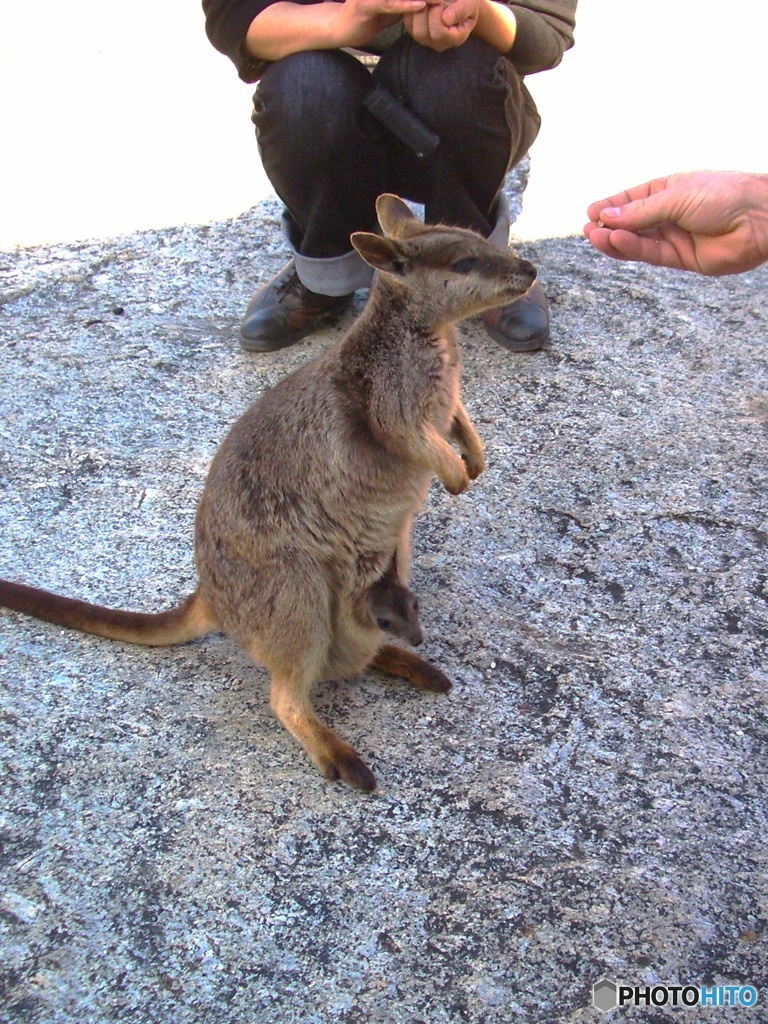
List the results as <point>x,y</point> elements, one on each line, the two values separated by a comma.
<point>380,253</point>
<point>393,213</point>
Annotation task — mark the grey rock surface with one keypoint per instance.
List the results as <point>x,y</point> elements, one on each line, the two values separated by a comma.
<point>589,801</point>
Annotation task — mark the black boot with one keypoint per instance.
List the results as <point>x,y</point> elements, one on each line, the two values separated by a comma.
<point>284,311</point>
<point>522,325</point>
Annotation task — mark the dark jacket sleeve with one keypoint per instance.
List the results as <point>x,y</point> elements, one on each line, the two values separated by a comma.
<point>544,33</point>
<point>226,25</point>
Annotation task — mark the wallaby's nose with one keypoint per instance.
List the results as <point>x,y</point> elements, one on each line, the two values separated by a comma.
<point>527,269</point>
<point>522,276</point>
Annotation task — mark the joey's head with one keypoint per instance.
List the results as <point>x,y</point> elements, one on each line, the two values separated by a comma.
<point>450,273</point>
<point>395,610</point>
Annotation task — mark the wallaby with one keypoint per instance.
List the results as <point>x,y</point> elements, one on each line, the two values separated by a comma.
<point>395,609</point>
<point>310,498</point>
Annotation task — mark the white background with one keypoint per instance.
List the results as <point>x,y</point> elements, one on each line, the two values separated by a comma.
<point>117,117</point>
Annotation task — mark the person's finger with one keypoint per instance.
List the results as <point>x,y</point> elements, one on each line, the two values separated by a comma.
<point>670,247</point>
<point>416,26</point>
<point>435,18</point>
<point>600,238</point>
<point>457,12</point>
<point>656,250</point>
<point>428,29</point>
<point>595,209</point>
<point>617,205</point>
<point>666,206</point>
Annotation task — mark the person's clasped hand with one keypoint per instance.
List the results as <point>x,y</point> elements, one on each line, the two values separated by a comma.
<point>362,20</point>
<point>441,25</point>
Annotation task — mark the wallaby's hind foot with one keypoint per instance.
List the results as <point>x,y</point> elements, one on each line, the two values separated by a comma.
<point>334,759</point>
<point>345,764</point>
<point>407,665</point>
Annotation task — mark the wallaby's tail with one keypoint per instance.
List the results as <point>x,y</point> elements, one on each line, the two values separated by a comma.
<point>187,621</point>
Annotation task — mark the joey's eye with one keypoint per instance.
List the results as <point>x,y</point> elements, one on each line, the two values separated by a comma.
<point>464,266</point>
<point>384,624</point>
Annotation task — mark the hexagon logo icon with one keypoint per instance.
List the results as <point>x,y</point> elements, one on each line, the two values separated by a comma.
<point>604,995</point>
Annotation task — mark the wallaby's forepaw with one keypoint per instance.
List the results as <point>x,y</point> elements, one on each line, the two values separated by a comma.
<point>470,445</point>
<point>475,464</point>
<point>457,482</point>
<point>343,763</point>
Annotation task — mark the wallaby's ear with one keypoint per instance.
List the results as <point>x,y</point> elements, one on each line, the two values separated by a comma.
<point>380,253</point>
<point>393,213</point>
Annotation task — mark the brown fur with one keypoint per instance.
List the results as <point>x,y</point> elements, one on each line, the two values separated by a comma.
<point>311,496</point>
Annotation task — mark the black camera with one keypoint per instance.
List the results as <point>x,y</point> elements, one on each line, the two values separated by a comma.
<point>403,124</point>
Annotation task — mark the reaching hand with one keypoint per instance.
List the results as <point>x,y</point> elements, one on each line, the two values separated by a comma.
<point>712,222</point>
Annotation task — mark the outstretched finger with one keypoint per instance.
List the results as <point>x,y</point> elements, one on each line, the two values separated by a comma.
<point>630,195</point>
<point>600,238</point>
<point>595,209</point>
<point>653,248</point>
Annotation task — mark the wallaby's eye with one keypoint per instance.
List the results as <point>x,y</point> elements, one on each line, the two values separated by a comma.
<point>464,266</point>
<point>384,624</point>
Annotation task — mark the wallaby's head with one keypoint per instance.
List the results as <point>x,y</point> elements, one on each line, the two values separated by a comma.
<point>395,609</point>
<point>453,273</point>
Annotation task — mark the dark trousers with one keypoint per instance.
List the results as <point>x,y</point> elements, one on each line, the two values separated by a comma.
<point>328,158</point>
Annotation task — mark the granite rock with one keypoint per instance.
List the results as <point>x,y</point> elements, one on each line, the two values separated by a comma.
<point>588,802</point>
